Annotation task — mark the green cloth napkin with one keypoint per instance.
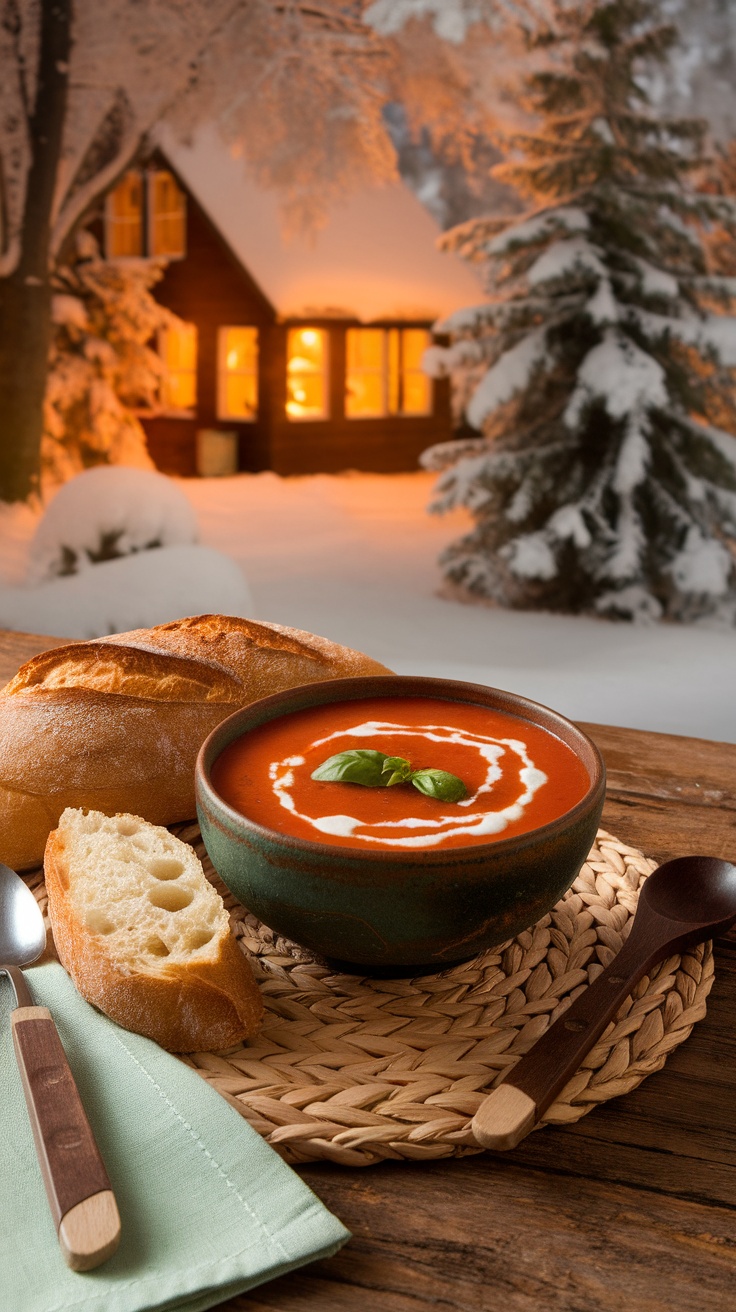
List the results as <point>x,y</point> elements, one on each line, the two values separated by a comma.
<point>207,1208</point>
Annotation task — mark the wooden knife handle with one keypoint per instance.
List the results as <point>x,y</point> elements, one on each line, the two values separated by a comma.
<point>77,1186</point>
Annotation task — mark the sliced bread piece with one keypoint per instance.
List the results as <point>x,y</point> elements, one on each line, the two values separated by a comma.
<point>144,935</point>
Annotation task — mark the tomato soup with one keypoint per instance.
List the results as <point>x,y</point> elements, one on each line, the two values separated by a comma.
<point>517,775</point>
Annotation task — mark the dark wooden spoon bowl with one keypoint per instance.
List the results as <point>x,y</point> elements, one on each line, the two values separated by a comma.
<point>694,890</point>
<point>682,903</point>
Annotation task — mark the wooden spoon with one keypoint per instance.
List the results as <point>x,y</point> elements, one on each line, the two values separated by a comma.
<point>682,903</point>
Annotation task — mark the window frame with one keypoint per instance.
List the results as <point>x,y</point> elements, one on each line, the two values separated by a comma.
<point>403,370</point>
<point>145,173</point>
<point>178,412</point>
<point>221,410</point>
<point>325,374</point>
<point>110,220</point>
<point>393,373</point>
<point>150,213</point>
<point>382,372</point>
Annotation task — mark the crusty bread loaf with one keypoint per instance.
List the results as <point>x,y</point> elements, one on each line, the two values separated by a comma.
<point>115,724</point>
<point>144,935</point>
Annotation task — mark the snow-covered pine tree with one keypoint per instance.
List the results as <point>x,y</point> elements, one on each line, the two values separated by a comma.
<point>598,372</point>
<point>720,178</point>
<point>102,366</point>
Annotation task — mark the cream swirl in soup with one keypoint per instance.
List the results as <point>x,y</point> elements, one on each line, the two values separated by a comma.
<point>517,775</point>
<point>458,819</point>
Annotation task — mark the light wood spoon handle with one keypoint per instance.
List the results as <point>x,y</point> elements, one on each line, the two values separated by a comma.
<point>515,1106</point>
<point>77,1186</point>
<point>682,903</point>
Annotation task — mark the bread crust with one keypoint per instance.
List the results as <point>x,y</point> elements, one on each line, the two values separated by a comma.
<point>189,1007</point>
<point>116,724</point>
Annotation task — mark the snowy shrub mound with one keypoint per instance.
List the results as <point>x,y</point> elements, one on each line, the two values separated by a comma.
<point>601,371</point>
<point>135,592</point>
<point>108,512</point>
<point>103,370</point>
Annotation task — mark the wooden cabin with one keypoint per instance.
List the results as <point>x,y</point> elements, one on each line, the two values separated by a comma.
<point>291,356</point>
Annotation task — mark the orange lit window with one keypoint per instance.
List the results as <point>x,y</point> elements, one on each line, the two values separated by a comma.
<point>365,388</point>
<point>124,218</point>
<point>384,374</point>
<point>237,373</point>
<point>306,374</point>
<point>145,214</point>
<point>178,347</point>
<point>415,390</point>
<point>166,215</point>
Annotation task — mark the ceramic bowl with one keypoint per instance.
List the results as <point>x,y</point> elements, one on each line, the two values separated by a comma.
<point>382,910</point>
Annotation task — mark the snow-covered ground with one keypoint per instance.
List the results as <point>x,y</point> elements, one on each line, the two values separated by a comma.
<point>353,557</point>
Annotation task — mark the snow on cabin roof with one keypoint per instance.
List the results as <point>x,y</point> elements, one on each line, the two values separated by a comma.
<point>376,258</point>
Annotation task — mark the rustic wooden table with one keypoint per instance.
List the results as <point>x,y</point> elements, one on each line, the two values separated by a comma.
<point>629,1210</point>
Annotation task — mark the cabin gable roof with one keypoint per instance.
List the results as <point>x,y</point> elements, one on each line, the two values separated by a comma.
<point>376,258</point>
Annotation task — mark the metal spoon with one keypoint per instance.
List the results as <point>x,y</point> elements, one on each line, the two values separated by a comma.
<point>77,1186</point>
<point>682,903</point>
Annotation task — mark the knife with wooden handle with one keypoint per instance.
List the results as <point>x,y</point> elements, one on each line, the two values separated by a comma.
<point>77,1186</point>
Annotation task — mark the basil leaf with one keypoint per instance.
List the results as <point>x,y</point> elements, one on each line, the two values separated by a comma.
<point>440,784</point>
<point>360,766</point>
<point>376,770</point>
<point>395,771</point>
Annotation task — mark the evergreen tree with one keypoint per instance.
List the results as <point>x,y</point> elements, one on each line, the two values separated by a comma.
<point>598,372</point>
<point>720,177</point>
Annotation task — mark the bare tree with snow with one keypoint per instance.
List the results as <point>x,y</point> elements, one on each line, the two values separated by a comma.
<point>83,84</point>
<point>600,372</point>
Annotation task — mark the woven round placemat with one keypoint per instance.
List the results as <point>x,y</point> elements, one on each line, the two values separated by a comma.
<point>358,1070</point>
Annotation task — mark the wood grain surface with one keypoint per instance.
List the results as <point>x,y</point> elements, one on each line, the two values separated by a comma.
<point>631,1209</point>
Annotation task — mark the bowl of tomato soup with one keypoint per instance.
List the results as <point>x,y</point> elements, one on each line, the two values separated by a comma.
<point>397,821</point>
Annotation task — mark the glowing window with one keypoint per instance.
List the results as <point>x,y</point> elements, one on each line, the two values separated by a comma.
<point>306,374</point>
<point>365,384</point>
<point>384,373</point>
<point>124,218</point>
<point>415,386</point>
<point>166,215</point>
<point>394,371</point>
<point>237,373</point>
<point>178,346</point>
<point>145,214</point>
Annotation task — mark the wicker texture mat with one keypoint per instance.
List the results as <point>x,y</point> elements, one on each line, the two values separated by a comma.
<point>357,1070</point>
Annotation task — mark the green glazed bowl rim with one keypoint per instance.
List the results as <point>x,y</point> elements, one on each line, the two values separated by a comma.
<point>406,685</point>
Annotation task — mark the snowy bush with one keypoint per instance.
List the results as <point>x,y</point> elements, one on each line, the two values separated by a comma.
<point>102,368</point>
<point>605,477</point>
<point>107,512</point>
<point>134,592</point>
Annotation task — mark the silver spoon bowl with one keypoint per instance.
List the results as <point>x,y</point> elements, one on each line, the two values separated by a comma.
<point>22,932</point>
